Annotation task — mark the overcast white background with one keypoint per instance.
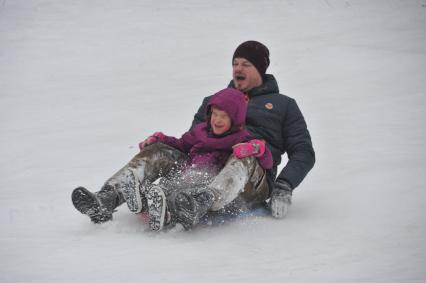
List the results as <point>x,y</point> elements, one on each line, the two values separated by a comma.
<point>82,82</point>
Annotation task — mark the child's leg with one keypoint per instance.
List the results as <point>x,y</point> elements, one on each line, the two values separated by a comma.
<point>151,163</point>
<point>154,161</point>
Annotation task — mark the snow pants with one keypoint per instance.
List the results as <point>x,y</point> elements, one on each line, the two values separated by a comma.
<point>155,161</point>
<point>241,183</point>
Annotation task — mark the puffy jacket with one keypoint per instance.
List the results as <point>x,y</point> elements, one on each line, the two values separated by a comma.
<point>277,119</point>
<point>207,150</point>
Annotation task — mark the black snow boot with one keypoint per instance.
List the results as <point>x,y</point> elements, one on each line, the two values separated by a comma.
<point>98,206</point>
<point>190,207</point>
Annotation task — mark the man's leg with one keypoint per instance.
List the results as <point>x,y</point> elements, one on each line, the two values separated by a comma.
<point>239,186</point>
<point>128,183</point>
<point>189,205</point>
<point>241,181</point>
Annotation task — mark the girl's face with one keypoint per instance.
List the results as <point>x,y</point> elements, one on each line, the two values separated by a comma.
<point>220,121</point>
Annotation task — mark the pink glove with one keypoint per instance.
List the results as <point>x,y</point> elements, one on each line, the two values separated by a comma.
<point>156,137</point>
<point>253,147</point>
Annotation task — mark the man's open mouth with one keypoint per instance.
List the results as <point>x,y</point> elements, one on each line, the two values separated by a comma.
<point>240,77</point>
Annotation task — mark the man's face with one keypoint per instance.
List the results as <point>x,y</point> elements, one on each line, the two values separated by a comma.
<point>245,75</point>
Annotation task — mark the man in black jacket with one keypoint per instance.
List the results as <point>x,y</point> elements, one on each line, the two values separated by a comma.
<point>271,116</point>
<point>242,183</point>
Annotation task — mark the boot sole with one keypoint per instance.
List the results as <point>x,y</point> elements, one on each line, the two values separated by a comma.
<point>156,208</point>
<point>132,195</point>
<point>86,203</point>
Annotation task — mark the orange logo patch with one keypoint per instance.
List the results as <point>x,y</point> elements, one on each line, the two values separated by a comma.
<point>269,106</point>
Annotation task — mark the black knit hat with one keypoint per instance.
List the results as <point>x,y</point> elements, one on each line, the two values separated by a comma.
<point>255,52</point>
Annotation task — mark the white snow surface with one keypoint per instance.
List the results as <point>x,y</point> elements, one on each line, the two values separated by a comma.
<point>82,82</point>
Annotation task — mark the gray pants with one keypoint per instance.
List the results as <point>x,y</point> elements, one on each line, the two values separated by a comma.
<point>241,182</point>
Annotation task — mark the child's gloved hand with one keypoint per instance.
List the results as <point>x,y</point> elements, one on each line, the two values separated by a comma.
<point>156,137</point>
<point>252,148</point>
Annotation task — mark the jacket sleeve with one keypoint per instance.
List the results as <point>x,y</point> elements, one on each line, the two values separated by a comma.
<point>297,141</point>
<point>183,144</point>
<point>174,142</point>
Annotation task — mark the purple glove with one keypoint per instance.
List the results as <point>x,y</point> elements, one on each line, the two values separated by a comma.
<point>252,148</point>
<point>156,137</point>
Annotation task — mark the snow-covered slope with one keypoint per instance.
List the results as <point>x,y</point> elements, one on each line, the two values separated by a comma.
<point>82,82</point>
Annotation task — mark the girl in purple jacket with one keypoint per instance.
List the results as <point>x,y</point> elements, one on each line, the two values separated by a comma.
<point>208,146</point>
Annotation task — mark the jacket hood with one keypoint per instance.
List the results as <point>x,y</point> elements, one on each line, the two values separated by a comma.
<point>233,102</point>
